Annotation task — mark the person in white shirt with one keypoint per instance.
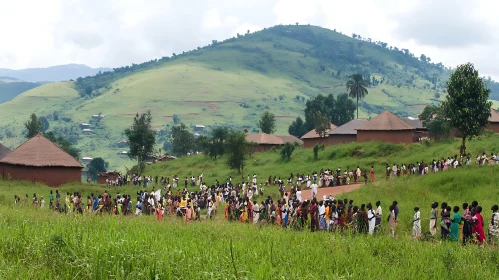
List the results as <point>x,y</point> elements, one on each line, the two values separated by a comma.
<point>371,218</point>
<point>416,223</point>
<point>379,214</point>
<point>210,208</point>
<point>256,212</point>
<point>254,179</point>
<point>285,210</point>
<point>314,187</point>
<point>322,216</point>
<point>298,195</point>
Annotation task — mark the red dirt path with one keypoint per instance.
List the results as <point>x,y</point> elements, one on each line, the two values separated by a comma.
<point>334,191</point>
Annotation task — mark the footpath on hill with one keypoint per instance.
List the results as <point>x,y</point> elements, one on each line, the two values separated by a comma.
<point>334,191</point>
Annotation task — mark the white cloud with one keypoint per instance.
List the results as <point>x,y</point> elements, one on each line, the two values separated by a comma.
<point>112,33</point>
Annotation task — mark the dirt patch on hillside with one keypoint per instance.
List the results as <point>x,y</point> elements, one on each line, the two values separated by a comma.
<point>283,118</point>
<point>211,104</point>
<point>418,106</point>
<point>193,114</point>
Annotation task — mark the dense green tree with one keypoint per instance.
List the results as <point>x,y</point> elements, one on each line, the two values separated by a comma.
<point>33,125</point>
<point>287,151</point>
<point>182,140</point>
<point>339,110</point>
<point>429,113</point>
<point>45,123</point>
<point>237,150</point>
<point>466,104</point>
<point>267,123</point>
<point>357,88</point>
<point>95,166</point>
<point>63,143</point>
<point>344,110</point>
<point>141,138</point>
<point>176,119</point>
<point>297,128</point>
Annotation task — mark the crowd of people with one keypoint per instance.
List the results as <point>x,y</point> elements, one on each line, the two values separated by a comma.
<point>291,210</point>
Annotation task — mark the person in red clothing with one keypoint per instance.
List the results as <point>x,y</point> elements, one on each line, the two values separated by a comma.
<point>478,231</point>
<point>314,215</point>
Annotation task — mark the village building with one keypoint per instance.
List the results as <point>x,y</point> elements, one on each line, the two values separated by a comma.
<point>386,127</point>
<point>199,128</point>
<point>263,141</point>
<point>97,117</point>
<point>84,125</point>
<point>291,139</point>
<point>420,131</point>
<point>87,131</point>
<point>40,160</point>
<point>345,133</point>
<point>493,121</point>
<point>312,137</point>
<point>86,159</point>
<point>104,177</point>
<point>123,143</point>
<point>3,151</point>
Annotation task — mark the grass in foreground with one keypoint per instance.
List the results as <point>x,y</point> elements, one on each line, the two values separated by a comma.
<point>41,245</point>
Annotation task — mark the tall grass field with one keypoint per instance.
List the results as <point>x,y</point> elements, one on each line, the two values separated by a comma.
<point>40,244</point>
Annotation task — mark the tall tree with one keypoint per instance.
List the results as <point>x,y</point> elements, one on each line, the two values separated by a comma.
<point>357,88</point>
<point>466,104</point>
<point>237,150</point>
<point>182,140</point>
<point>141,138</point>
<point>297,128</point>
<point>267,123</point>
<point>45,123</point>
<point>33,125</point>
<point>321,124</point>
<point>344,110</point>
<point>95,166</point>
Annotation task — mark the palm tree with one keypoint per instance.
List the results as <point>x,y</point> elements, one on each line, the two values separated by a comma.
<point>357,88</point>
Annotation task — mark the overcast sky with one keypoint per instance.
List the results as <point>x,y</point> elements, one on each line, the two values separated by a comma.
<point>111,33</point>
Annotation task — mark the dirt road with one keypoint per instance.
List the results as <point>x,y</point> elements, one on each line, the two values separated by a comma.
<point>334,191</point>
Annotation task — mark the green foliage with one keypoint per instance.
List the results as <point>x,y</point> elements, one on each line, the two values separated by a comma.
<point>33,125</point>
<point>317,148</point>
<point>287,151</point>
<point>45,123</point>
<point>339,110</point>
<point>297,128</point>
<point>176,119</point>
<point>357,88</point>
<point>63,143</point>
<point>95,166</point>
<point>433,118</point>
<point>55,116</point>
<point>213,146</point>
<point>182,140</point>
<point>466,104</point>
<point>237,150</point>
<point>267,123</point>
<point>141,138</point>
<point>321,124</point>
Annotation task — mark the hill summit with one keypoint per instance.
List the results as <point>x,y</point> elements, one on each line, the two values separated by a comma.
<point>228,83</point>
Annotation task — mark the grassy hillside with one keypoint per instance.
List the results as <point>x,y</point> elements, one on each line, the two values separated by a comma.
<point>11,87</point>
<point>230,83</point>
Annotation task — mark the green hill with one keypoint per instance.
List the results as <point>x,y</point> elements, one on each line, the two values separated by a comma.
<point>11,87</point>
<point>228,83</point>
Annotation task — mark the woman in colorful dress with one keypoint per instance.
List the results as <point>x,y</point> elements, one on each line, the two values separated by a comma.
<point>467,223</point>
<point>371,173</point>
<point>445,222</point>
<point>478,231</point>
<point>455,222</point>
